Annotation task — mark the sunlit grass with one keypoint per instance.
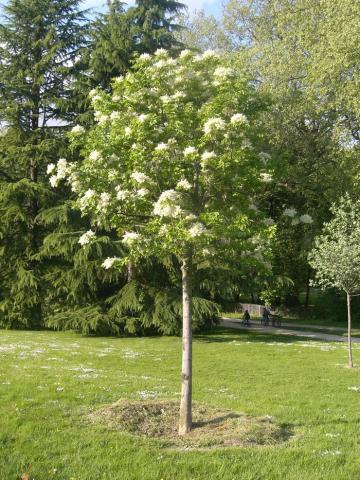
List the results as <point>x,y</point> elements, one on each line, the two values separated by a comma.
<point>49,383</point>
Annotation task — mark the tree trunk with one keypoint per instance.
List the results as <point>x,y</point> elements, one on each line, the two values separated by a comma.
<point>130,270</point>
<point>307,296</point>
<point>349,329</point>
<point>185,420</point>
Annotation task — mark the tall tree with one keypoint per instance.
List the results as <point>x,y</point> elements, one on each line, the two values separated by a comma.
<point>285,42</point>
<point>112,44</point>
<point>171,166</point>
<point>154,25</point>
<point>40,45</point>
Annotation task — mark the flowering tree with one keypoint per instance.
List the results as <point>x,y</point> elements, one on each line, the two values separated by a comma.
<point>336,255</point>
<point>171,165</point>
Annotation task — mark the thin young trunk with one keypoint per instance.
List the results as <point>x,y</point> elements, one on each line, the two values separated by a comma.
<point>349,329</point>
<point>307,296</point>
<point>185,420</point>
<point>130,271</point>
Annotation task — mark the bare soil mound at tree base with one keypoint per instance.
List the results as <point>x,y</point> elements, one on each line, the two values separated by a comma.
<point>212,427</point>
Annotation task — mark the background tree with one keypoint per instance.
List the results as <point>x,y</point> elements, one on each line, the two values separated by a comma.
<point>40,44</point>
<point>336,254</point>
<point>154,24</point>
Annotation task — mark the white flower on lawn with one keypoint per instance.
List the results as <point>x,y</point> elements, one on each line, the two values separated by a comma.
<point>190,151</point>
<point>96,98</point>
<point>253,207</point>
<point>197,230</point>
<point>128,131</point>
<point>306,218</point>
<point>264,157</point>
<point>139,177</point>
<point>119,79</point>
<point>290,212</point>
<point>295,221</point>
<point>95,155</point>
<point>161,147</point>
<point>184,184</point>
<point>239,118</point>
<point>109,262</point>
<point>191,217</point>
<point>142,192</point>
<point>92,93</point>
<point>116,98</point>
<point>78,129</point>
<point>50,168</point>
<point>86,237</point>
<point>269,221</point>
<point>129,238</point>
<point>266,177</point>
<point>142,117</point>
<point>213,125</point>
<point>115,115</point>
<point>167,204</point>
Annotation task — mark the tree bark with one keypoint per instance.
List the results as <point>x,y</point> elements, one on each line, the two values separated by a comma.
<point>185,420</point>
<point>307,296</point>
<point>348,296</point>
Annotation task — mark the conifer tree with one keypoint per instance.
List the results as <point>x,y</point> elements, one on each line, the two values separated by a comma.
<point>154,25</point>
<point>112,45</point>
<point>41,43</point>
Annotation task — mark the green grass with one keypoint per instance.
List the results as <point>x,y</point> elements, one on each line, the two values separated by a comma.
<point>49,382</point>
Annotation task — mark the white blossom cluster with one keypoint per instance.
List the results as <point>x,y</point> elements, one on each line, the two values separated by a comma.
<point>139,177</point>
<point>86,237</point>
<point>86,199</point>
<point>213,125</point>
<point>61,169</point>
<point>296,219</point>
<point>129,238</point>
<point>109,262</point>
<point>197,230</point>
<point>167,204</point>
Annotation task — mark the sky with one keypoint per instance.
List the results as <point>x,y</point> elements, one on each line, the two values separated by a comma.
<point>209,6</point>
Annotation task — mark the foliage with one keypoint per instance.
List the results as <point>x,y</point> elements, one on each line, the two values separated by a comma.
<point>336,254</point>
<point>40,41</point>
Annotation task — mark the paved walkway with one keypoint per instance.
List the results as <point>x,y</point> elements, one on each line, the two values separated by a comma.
<point>257,327</point>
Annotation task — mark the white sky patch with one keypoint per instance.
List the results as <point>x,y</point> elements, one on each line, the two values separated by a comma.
<point>210,6</point>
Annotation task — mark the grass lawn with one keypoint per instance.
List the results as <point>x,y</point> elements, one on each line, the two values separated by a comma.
<point>49,383</point>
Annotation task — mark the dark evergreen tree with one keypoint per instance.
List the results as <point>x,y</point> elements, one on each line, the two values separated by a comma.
<point>154,25</point>
<point>41,43</point>
<point>112,45</point>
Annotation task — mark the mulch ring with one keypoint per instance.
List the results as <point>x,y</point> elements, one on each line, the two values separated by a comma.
<point>212,427</point>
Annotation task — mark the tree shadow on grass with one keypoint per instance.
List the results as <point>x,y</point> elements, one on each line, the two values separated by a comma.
<point>228,335</point>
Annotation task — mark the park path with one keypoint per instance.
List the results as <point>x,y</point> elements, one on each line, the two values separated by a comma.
<point>257,327</point>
